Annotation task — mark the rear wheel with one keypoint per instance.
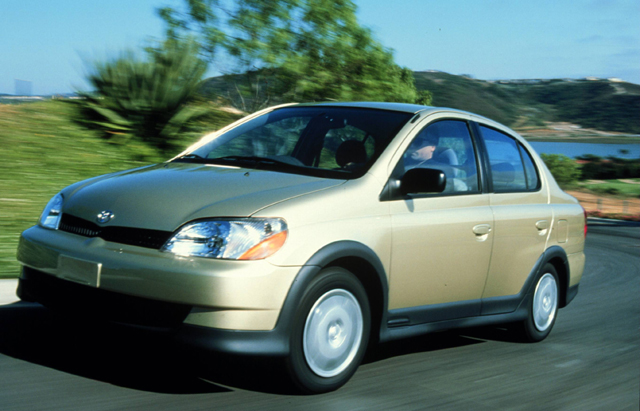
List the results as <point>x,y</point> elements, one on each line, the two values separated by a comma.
<point>331,331</point>
<point>543,307</point>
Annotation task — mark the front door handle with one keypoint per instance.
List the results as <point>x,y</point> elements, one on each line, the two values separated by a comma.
<point>482,229</point>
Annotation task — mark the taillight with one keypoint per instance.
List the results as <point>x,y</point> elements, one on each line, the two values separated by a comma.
<point>585,221</point>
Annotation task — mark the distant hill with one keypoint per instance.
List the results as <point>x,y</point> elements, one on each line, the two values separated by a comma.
<point>606,105</point>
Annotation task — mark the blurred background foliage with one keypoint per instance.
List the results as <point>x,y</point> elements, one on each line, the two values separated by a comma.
<point>564,169</point>
<point>281,51</point>
<point>293,51</point>
<point>597,168</point>
<point>145,100</point>
<point>568,172</point>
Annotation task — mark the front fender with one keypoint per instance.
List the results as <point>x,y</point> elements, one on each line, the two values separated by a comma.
<point>356,257</point>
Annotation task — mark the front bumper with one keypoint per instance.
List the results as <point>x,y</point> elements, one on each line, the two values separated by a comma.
<point>222,294</point>
<point>165,319</point>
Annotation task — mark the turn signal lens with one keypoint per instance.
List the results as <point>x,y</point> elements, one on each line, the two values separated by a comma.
<point>266,248</point>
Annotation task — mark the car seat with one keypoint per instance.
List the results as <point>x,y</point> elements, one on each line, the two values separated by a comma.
<point>351,152</point>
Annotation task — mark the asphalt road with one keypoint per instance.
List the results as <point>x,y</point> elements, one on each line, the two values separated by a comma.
<point>591,360</point>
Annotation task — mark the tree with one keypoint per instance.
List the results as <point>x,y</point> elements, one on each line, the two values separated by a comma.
<point>294,50</point>
<point>564,169</point>
<point>144,99</point>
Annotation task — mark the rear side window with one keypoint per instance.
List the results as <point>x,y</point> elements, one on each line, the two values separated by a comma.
<point>531,173</point>
<point>512,168</point>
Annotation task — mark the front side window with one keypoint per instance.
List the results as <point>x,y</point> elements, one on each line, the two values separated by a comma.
<point>446,146</point>
<point>332,142</point>
<point>512,169</point>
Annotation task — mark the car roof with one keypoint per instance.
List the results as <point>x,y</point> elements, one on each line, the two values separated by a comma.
<point>403,107</point>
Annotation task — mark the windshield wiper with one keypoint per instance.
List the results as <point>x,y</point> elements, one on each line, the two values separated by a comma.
<point>247,158</point>
<point>190,158</point>
<point>254,159</point>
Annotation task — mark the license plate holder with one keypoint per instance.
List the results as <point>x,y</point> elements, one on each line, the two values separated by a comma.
<point>79,271</point>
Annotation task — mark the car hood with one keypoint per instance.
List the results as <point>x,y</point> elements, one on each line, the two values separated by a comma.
<point>165,196</point>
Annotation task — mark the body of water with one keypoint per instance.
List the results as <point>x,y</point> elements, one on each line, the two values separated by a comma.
<point>580,149</point>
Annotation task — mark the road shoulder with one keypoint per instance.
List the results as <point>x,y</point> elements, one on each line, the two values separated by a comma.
<point>8,291</point>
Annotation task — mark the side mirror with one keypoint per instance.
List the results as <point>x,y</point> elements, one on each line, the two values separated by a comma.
<point>423,180</point>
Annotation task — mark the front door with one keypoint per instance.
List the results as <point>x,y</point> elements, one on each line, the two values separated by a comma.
<point>441,243</point>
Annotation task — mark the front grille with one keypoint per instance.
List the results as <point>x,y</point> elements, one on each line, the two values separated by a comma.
<point>124,235</point>
<point>79,226</point>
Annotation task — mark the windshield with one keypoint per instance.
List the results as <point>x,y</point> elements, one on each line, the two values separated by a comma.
<point>332,142</point>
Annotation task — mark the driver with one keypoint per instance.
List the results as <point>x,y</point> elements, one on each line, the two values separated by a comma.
<point>422,154</point>
<point>421,149</point>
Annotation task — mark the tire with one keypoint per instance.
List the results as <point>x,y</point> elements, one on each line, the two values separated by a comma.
<point>543,306</point>
<point>330,332</point>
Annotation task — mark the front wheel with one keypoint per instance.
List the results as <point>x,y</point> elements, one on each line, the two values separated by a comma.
<point>330,333</point>
<point>543,307</point>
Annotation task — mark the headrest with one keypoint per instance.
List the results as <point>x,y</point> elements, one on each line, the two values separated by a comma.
<point>351,151</point>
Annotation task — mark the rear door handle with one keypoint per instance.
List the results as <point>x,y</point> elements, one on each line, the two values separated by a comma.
<point>542,225</point>
<point>482,229</point>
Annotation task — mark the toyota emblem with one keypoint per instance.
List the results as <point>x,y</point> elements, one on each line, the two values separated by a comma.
<point>104,216</point>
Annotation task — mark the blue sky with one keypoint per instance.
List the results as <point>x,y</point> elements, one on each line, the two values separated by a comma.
<point>48,42</point>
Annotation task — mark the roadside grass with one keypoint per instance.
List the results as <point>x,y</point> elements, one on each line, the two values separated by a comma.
<point>627,188</point>
<point>42,151</point>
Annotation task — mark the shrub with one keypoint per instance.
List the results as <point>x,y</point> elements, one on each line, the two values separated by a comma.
<point>564,169</point>
<point>144,99</point>
<point>610,169</point>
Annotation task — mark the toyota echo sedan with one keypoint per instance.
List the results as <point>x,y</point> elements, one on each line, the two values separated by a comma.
<point>310,232</point>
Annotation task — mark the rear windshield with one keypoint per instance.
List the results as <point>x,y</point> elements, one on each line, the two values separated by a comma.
<point>333,142</point>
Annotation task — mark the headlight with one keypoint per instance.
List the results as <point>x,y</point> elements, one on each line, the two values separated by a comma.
<point>50,217</point>
<point>233,239</point>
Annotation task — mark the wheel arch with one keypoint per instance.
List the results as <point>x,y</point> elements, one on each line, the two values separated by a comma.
<point>562,270</point>
<point>358,259</point>
<point>557,257</point>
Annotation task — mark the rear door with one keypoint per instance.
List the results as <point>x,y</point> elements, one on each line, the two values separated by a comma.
<point>522,215</point>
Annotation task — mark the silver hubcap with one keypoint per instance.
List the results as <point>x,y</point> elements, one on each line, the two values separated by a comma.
<point>545,302</point>
<point>332,333</point>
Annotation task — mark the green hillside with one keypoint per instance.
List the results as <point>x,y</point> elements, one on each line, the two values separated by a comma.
<point>594,104</point>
